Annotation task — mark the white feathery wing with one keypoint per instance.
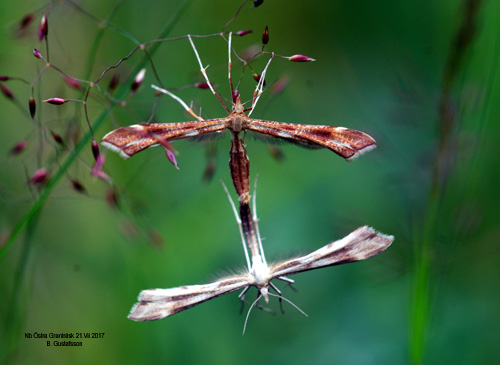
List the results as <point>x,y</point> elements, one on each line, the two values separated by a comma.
<point>359,245</point>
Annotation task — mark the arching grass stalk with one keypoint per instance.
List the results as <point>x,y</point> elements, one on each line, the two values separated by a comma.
<point>85,141</point>
<point>424,247</point>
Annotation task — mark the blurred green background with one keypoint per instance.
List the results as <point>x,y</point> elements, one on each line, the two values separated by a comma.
<point>421,77</point>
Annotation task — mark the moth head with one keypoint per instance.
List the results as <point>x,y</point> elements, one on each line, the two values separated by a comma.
<point>264,291</point>
<point>237,106</point>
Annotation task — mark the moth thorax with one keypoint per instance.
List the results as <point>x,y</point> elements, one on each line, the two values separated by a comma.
<point>237,123</point>
<point>260,272</point>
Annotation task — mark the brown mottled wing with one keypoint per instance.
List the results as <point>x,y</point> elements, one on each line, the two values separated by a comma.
<point>128,141</point>
<point>345,142</point>
<point>160,303</point>
<point>359,245</point>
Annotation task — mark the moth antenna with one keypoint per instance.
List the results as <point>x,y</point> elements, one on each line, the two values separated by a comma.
<point>179,100</point>
<point>234,90</point>
<point>248,314</point>
<point>290,302</point>
<point>238,221</point>
<point>260,85</point>
<point>241,296</point>
<point>204,72</point>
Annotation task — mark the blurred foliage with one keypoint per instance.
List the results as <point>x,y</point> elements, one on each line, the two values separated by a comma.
<point>382,68</point>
